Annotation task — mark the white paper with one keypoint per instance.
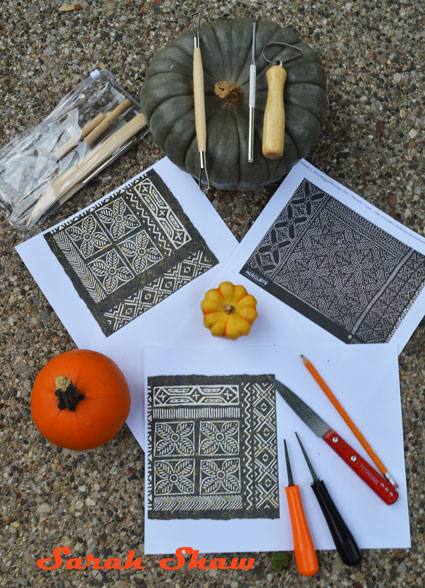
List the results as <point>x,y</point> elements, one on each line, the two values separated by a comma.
<point>278,323</point>
<point>365,380</point>
<point>158,325</point>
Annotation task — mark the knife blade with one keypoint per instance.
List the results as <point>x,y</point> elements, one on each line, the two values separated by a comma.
<point>360,466</point>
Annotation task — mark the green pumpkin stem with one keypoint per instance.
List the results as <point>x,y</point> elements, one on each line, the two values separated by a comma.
<point>67,394</point>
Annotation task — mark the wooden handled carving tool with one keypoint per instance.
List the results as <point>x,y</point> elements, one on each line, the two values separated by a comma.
<point>349,422</point>
<point>199,102</point>
<point>343,539</point>
<point>91,162</point>
<point>252,80</point>
<point>73,141</point>
<point>109,118</point>
<point>305,553</point>
<point>117,153</point>
<point>274,114</point>
<point>93,129</point>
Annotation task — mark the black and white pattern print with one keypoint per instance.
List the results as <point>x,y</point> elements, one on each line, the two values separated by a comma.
<point>212,447</point>
<point>130,251</point>
<point>337,268</point>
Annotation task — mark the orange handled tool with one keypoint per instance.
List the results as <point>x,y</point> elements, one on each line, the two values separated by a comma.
<point>305,553</point>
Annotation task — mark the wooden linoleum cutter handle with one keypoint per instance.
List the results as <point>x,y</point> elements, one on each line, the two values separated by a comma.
<point>199,100</point>
<point>73,141</point>
<point>108,119</point>
<point>274,114</point>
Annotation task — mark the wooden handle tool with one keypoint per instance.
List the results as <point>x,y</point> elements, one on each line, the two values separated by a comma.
<point>274,114</point>
<point>73,141</point>
<point>109,118</point>
<point>199,104</point>
<point>95,158</point>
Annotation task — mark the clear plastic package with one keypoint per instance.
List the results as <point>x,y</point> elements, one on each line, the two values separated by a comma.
<point>95,123</point>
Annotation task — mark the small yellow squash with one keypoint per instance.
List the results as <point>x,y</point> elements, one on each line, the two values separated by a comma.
<point>229,310</point>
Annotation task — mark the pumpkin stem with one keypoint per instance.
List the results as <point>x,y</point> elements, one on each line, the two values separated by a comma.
<point>67,394</point>
<point>228,91</point>
<point>229,308</point>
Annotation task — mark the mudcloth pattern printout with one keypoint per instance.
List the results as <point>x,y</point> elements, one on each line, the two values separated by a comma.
<point>337,268</point>
<point>130,251</point>
<point>212,447</point>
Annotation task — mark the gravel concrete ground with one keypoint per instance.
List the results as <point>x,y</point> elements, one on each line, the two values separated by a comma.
<point>373,143</point>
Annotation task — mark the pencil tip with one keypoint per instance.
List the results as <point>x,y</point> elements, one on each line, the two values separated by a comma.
<point>304,358</point>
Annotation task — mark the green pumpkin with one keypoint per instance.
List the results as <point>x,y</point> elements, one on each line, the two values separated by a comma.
<point>167,102</point>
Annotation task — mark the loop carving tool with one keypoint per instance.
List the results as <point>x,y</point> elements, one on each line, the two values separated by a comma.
<point>344,540</point>
<point>360,466</point>
<point>305,553</point>
<point>274,114</point>
<point>199,102</point>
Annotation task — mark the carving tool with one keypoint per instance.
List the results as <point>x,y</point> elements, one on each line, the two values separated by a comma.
<point>274,114</point>
<point>93,129</point>
<point>109,118</point>
<point>73,141</point>
<point>344,540</point>
<point>199,102</point>
<point>305,554</point>
<point>349,422</point>
<point>371,477</point>
<point>252,80</point>
<point>91,162</point>
<point>109,161</point>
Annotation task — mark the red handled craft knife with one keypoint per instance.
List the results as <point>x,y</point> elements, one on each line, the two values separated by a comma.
<point>361,467</point>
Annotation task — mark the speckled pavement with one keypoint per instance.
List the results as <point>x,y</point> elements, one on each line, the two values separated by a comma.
<point>373,143</point>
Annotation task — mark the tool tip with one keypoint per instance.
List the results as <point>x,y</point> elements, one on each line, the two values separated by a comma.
<point>288,465</point>
<point>305,360</point>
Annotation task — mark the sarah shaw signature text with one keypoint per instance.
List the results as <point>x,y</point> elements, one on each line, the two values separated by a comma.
<point>117,563</point>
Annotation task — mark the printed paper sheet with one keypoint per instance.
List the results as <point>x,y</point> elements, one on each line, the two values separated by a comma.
<point>365,380</point>
<point>120,274</point>
<point>326,266</point>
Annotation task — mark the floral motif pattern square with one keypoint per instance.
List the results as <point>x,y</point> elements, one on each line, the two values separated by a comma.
<point>212,447</point>
<point>130,251</point>
<point>337,268</point>
<point>174,476</point>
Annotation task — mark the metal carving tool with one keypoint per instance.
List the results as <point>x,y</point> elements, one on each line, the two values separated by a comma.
<point>274,114</point>
<point>360,466</point>
<point>199,102</point>
<point>305,553</point>
<point>252,81</point>
<point>343,539</point>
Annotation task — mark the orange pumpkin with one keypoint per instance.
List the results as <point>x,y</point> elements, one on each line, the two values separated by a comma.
<point>80,399</point>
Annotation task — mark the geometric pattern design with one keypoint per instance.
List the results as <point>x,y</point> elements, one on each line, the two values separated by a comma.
<point>130,251</point>
<point>337,268</point>
<point>201,466</point>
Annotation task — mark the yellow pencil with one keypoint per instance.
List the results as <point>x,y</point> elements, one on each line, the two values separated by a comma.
<point>347,419</point>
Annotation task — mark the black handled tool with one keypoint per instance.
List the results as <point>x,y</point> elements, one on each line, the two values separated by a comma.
<point>344,541</point>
